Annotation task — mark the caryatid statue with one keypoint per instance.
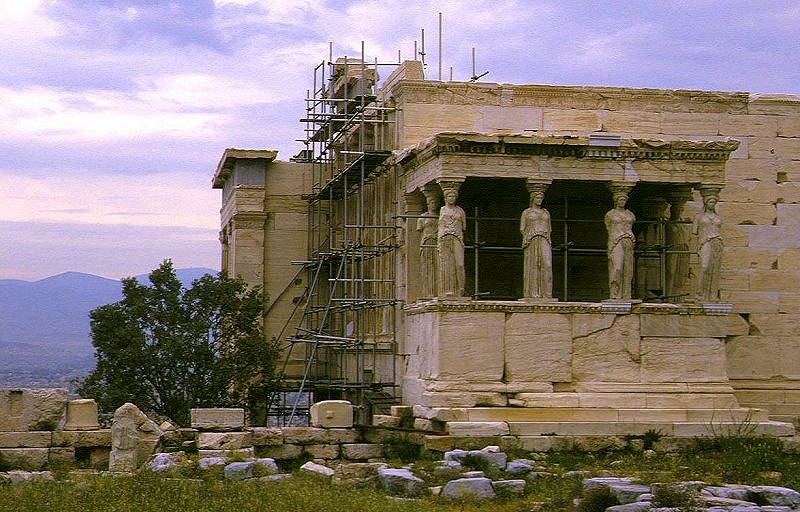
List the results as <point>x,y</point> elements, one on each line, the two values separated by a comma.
<point>708,228</point>
<point>619,225</point>
<point>536,246</point>
<point>428,226</point>
<point>677,239</point>
<point>452,224</point>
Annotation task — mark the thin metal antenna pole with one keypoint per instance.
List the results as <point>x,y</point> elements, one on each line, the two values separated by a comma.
<point>440,47</point>
<point>474,72</point>
<point>422,52</point>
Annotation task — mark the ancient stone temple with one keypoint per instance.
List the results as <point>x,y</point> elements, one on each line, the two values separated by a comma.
<point>529,260</point>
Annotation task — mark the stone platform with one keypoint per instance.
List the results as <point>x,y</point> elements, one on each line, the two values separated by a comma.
<point>492,369</point>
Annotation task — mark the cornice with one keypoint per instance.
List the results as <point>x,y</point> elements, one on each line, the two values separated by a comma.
<point>565,146</point>
<point>583,97</point>
<point>228,161</point>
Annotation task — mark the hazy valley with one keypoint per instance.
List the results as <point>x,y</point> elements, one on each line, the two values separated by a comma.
<point>45,336</point>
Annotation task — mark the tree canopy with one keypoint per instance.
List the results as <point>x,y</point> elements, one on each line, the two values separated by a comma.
<point>168,349</point>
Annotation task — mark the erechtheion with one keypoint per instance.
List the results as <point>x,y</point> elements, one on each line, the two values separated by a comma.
<point>529,260</point>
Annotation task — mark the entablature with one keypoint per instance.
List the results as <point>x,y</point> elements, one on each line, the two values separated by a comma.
<point>590,157</point>
<point>493,306</point>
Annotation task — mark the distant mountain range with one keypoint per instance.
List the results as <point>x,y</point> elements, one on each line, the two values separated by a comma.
<point>44,325</point>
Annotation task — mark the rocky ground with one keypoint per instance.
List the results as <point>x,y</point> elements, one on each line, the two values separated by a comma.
<point>455,478</point>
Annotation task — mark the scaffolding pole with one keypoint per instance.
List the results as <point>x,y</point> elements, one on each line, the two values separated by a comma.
<point>344,344</point>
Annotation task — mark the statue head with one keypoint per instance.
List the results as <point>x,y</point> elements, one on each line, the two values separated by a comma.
<point>431,199</point>
<point>710,198</point>
<point>450,196</point>
<point>433,203</point>
<point>620,199</point>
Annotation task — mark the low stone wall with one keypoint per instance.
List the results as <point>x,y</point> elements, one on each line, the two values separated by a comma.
<point>221,432</point>
<point>42,428</point>
<point>76,440</point>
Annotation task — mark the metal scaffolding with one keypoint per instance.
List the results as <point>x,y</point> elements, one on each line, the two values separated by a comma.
<point>344,344</point>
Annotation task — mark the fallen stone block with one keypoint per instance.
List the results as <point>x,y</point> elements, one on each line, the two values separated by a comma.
<point>447,469</point>
<point>519,467</point>
<point>165,462</point>
<point>728,503</point>
<point>358,473</point>
<point>628,493</point>
<point>778,496</point>
<point>732,492</point>
<point>206,463</point>
<point>593,483</point>
<point>469,488</point>
<point>134,438</point>
<point>489,457</point>
<point>401,481</point>
<point>266,466</point>
<point>250,469</point>
<point>239,470</point>
<point>509,487</point>
<point>317,470</point>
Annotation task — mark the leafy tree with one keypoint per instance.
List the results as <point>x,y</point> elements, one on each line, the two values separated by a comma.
<point>168,349</point>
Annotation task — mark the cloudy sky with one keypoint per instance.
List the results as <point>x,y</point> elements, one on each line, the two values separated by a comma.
<point>114,113</point>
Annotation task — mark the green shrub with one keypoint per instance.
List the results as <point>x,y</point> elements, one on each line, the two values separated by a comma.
<point>673,496</point>
<point>597,499</point>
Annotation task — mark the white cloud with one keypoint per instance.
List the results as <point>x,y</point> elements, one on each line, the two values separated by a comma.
<point>23,22</point>
<point>203,91</point>
<point>180,105</point>
<point>164,199</point>
<point>44,113</point>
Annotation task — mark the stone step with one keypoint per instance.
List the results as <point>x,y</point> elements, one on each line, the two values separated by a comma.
<point>605,414</point>
<point>602,435</point>
<point>677,429</point>
<point>643,400</point>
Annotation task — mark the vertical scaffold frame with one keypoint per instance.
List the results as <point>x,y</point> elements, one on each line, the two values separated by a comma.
<point>345,343</point>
